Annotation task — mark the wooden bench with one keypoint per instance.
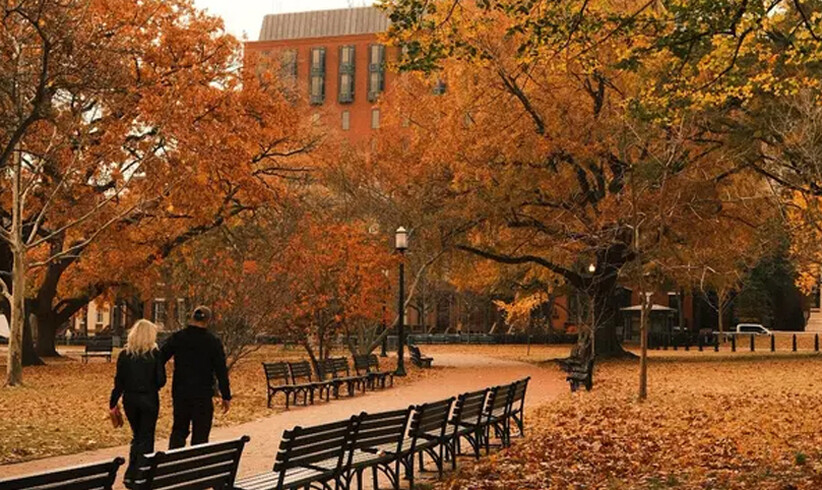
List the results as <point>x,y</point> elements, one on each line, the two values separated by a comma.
<point>417,358</point>
<point>212,465</point>
<point>430,435</point>
<point>337,372</point>
<point>96,476</point>
<point>466,422</point>
<point>303,381</point>
<point>312,455</point>
<point>517,413</point>
<point>379,445</point>
<point>579,373</point>
<point>368,365</point>
<point>338,454</point>
<point>497,415</point>
<point>278,380</point>
<point>98,347</point>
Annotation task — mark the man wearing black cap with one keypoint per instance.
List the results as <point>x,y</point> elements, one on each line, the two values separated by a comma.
<point>198,358</point>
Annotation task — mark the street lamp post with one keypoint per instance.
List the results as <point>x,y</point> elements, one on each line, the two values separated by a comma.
<point>401,245</point>
<point>384,344</point>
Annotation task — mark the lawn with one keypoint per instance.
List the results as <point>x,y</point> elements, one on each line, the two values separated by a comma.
<point>63,407</point>
<point>720,421</point>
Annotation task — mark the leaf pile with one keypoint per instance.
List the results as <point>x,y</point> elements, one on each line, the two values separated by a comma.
<point>63,407</point>
<point>709,423</point>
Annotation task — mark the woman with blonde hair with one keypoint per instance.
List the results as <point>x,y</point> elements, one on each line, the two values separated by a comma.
<point>140,375</point>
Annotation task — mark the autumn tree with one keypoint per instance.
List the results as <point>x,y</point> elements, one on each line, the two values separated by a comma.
<point>127,129</point>
<point>333,277</point>
<point>538,129</point>
<point>230,269</point>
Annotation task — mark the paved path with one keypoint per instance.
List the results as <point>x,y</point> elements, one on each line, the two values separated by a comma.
<point>466,372</point>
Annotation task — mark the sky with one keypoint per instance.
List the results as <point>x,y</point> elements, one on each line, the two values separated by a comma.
<point>246,16</point>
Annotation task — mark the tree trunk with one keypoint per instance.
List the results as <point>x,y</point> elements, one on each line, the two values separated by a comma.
<point>643,357</point>
<point>17,303</point>
<point>30,357</point>
<point>720,312</point>
<point>47,325</point>
<point>606,312</point>
<point>14,369</point>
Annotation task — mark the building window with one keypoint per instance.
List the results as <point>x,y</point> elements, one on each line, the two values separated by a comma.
<point>376,71</point>
<point>346,120</point>
<point>375,119</point>
<point>158,311</point>
<point>288,64</point>
<point>317,78</point>
<point>346,95</point>
<point>99,319</point>
<point>182,312</point>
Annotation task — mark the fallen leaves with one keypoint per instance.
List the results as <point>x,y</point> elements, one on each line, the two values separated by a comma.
<point>713,423</point>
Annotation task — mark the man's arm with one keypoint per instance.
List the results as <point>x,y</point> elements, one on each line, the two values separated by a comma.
<point>167,349</point>
<point>221,371</point>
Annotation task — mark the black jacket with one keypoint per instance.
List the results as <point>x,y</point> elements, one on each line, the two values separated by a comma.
<point>138,374</point>
<point>198,358</point>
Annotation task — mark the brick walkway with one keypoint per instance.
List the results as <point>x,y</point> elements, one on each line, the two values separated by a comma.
<point>466,372</point>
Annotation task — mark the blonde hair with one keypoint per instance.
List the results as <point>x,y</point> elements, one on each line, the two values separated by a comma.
<point>142,339</point>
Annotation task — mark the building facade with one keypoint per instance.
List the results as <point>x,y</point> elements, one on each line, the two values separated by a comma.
<point>333,57</point>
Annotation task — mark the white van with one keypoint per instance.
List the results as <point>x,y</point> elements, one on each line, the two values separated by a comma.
<point>752,329</point>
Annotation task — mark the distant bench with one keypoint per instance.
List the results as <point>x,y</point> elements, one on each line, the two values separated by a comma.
<point>579,373</point>
<point>417,358</point>
<point>98,347</point>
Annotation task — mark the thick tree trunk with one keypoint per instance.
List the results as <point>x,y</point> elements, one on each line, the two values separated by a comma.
<point>14,368</point>
<point>47,339</point>
<point>30,357</point>
<point>47,324</point>
<point>606,315</point>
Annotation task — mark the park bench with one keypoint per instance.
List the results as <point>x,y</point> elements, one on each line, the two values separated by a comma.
<point>98,347</point>
<point>312,455</point>
<point>417,358</point>
<point>517,413</point>
<point>467,422</point>
<point>213,465</point>
<point>337,372</point>
<point>278,380</point>
<point>368,365</point>
<point>378,445</point>
<point>336,454</point>
<point>430,434</point>
<point>303,382</point>
<point>497,415</point>
<point>579,373</point>
<point>96,476</point>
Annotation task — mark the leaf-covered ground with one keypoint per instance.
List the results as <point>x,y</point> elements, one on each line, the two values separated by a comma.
<point>711,422</point>
<point>63,407</point>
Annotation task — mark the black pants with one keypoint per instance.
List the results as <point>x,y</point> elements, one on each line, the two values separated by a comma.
<point>141,411</point>
<point>193,414</point>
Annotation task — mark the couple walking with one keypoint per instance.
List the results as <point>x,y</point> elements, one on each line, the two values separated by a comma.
<point>199,358</point>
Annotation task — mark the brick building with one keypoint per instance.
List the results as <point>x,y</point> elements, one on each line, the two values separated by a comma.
<point>336,58</point>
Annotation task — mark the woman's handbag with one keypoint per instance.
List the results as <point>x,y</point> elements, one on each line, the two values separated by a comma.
<point>116,417</point>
